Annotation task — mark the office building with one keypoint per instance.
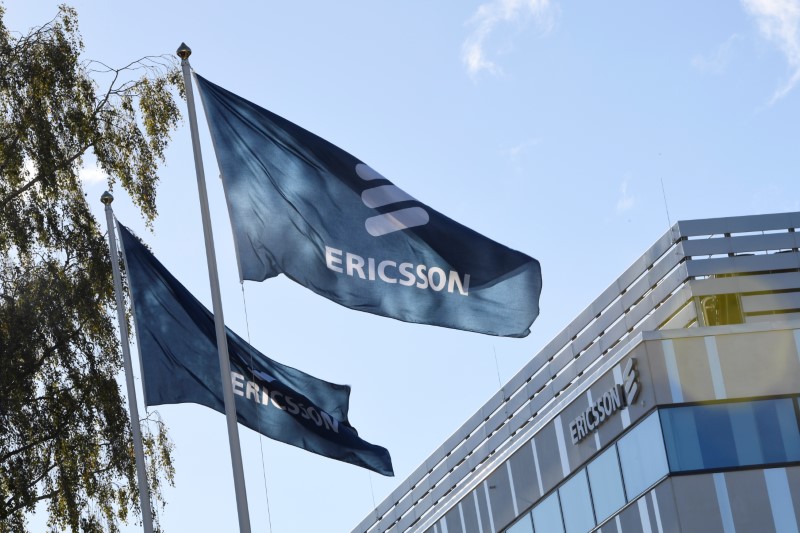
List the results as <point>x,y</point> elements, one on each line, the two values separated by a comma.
<point>670,404</point>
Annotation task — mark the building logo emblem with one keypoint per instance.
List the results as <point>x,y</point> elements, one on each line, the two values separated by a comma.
<point>620,396</point>
<point>630,379</point>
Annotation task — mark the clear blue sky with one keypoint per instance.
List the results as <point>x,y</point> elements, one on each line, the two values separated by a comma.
<point>545,125</point>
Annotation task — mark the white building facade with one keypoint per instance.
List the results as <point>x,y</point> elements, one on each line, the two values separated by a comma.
<point>670,404</point>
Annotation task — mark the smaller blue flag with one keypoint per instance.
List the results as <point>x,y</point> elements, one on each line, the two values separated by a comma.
<point>178,349</point>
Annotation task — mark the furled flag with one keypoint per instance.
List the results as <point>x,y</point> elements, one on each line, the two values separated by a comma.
<point>305,208</point>
<point>178,350</point>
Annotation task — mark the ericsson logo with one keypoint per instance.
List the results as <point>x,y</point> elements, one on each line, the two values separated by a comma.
<point>384,195</point>
<point>630,380</point>
<point>617,398</point>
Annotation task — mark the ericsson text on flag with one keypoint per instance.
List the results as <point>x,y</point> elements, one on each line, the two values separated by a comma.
<point>388,271</point>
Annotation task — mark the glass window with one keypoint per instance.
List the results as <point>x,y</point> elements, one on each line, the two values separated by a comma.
<point>700,437</point>
<point>576,504</point>
<point>727,435</point>
<point>522,526</point>
<point>605,480</point>
<point>778,417</point>
<point>547,515</point>
<point>718,309</point>
<point>681,440</point>
<point>641,454</point>
<point>744,425</point>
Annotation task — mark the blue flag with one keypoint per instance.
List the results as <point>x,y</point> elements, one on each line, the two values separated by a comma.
<point>305,208</point>
<point>178,347</point>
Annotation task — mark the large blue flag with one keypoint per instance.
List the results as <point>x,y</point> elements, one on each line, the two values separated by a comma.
<point>178,347</point>
<point>305,208</point>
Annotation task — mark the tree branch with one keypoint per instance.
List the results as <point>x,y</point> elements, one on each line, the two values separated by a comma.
<point>24,504</point>
<point>30,445</point>
<point>66,164</point>
<point>6,512</point>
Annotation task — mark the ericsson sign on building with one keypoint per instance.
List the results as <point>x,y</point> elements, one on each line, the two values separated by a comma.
<point>616,398</point>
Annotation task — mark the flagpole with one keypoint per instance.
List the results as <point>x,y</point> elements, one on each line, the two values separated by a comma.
<point>222,346</point>
<point>133,408</point>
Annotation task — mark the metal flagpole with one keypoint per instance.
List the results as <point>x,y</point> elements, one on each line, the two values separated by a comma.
<point>138,451</point>
<point>222,346</point>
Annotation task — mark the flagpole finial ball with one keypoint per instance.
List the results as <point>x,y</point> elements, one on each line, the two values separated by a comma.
<point>107,198</point>
<point>184,51</point>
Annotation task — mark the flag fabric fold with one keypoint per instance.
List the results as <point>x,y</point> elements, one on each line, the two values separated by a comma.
<point>303,207</point>
<point>178,350</point>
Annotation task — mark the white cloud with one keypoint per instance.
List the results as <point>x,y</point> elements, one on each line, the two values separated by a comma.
<point>521,148</point>
<point>488,17</point>
<point>779,22</point>
<point>717,61</point>
<point>91,175</point>
<point>626,201</point>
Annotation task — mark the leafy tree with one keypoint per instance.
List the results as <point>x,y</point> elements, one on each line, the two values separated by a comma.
<point>65,438</point>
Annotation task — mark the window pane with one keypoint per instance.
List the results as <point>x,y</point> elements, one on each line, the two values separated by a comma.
<point>702,436</point>
<point>522,526</point>
<point>744,424</point>
<point>576,504</point>
<point>605,480</point>
<point>641,453</point>
<point>681,439</point>
<point>716,435</point>
<point>731,434</point>
<point>547,516</point>
<point>777,417</point>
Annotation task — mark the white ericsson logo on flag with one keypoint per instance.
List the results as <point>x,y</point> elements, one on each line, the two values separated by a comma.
<point>382,195</point>
<point>284,402</point>
<point>387,271</point>
<point>613,400</point>
<point>408,274</point>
